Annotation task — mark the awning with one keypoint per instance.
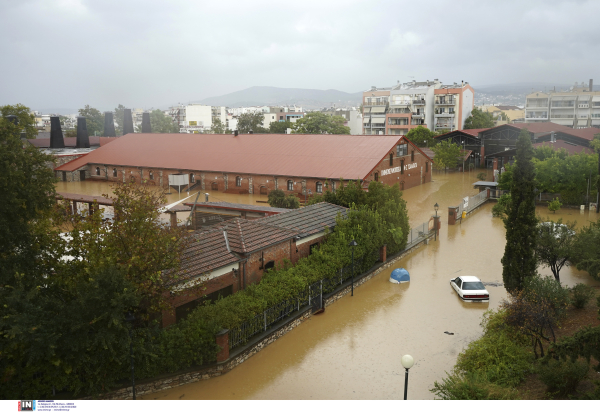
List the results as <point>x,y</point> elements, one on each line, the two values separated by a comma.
<point>378,109</point>
<point>584,98</point>
<point>379,120</point>
<point>596,99</point>
<point>366,120</point>
<point>367,110</point>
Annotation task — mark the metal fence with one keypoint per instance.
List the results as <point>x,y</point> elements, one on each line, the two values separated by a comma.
<point>313,294</point>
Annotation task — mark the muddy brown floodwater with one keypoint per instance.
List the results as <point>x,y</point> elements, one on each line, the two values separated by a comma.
<point>353,349</point>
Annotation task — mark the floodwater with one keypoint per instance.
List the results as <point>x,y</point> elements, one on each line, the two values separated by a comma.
<point>353,349</point>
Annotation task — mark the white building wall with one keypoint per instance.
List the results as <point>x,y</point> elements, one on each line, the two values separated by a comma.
<point>355,123</point>
<point>200,114</point>
<point>468,100</point>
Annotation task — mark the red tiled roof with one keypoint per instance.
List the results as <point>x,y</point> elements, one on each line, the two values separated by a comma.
<point>321,156</point>
<point>307,220</point>
<point>206,251</point>
<point>246,236</point>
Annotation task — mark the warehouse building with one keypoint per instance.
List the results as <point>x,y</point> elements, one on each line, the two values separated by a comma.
<point>253,163</point>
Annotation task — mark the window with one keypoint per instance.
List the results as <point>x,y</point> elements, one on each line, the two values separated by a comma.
<point>97,171</point>
<point>192,178</point>
<point>333,186</point>
<point>412,156</point>
<point>402,166</point>
<point>401,150</point>
<point>319,187</point>
<point>238,181</point>
<point>376,177</point>
<point>391,159</point>
<point>151,175</point>
<point>290,185</point>
<point>114,172</point>
<point>64,176</point>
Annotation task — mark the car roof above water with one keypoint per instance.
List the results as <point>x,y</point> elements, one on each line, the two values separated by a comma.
<point>470,279</point>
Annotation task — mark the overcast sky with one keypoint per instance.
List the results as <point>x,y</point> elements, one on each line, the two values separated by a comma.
<point>68,53</point>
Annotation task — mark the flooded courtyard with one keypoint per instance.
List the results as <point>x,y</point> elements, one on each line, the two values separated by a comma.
<point>353,349</point>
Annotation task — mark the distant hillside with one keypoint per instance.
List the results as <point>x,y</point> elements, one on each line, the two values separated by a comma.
<point>275,96</point>
<point>520,88</point>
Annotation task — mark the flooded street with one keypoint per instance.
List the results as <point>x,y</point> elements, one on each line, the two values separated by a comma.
<point>353,349</point>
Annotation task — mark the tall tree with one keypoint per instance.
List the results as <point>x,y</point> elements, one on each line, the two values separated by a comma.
<point>554,245</point>
<point>26,119</point>
<point>94,120</point>
<point>447,154</point>
<point>421,136</point>
<point>595,144</point>
<point>217,126</point>
<point>161,123</point>
<point>27,187</point>
<point>586,250</point>
<point>320,123</point>
<point>479,120</point>
<point>279,127</point>
<point>250,121</point>
<point>519,261</point>
<point>119,118</point>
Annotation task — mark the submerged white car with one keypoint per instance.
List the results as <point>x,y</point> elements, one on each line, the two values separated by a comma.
<point>470,289</point>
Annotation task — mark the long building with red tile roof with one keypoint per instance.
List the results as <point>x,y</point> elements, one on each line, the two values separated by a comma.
<point>251,162</point>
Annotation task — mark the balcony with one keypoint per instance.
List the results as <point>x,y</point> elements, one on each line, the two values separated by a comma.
<point>562,116</point>
<point>443,115</point>
<point>375,104</point>
<point>419,102</point>
<point>537,117</point>
<point>416,115</point>
<point>564,105</point>
<point>446,103</point>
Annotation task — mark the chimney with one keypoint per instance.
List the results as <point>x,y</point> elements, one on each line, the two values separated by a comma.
<point>109,125</point>
<point>226,241</point>
<point>235,132</point>
<point>127,122</point>
<point>146,127</point>
<point>591,85</point>
<point>83,139</point>
<point>56,136</point>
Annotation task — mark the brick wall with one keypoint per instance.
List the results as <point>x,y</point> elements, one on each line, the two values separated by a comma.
<point>277,253</point>
<point>411,170</point>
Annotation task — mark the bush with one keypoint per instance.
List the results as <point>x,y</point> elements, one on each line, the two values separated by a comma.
<point>581,295</point>
<point>554,205</point>
<point>500,353</point>
<point>544,289</point>
<point>471,386</point>
<point>482,176</point>
<point>562,376</point>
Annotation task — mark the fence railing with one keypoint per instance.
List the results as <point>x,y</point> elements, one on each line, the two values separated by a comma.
<point>241,334</point>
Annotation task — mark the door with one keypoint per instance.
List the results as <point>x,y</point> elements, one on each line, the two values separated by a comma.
<point>82,175</point>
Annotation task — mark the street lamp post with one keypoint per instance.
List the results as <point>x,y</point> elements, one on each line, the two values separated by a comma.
<point>463,155</point>
<point>353,244</point>
<point>129,318</point>
<point>407,363</point>
<point>436,207</point>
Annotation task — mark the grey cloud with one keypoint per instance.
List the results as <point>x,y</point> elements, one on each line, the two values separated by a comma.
<point>152,53</point>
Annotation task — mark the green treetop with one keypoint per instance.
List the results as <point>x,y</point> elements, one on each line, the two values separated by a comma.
<point>479,120</point>
<point>251,121</point>
<point>26,119</point>
<point>447,154</point>
<point>320,123</point>
<point>421,136</point>
<point>94,120</point>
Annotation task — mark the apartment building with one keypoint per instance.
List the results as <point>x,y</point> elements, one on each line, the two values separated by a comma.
<point>578,107</point>
<point>395,110</point>
<point>197,118</point>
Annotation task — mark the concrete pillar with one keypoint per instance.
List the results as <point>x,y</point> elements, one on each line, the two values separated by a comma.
<point>223,342</point>
<point>124,176</point>
<point>494,168</point>
<point>383,253</point>
<point>74,207</point>
<point>202,180</point>
<point>173,218</point>
<point>160,178</point>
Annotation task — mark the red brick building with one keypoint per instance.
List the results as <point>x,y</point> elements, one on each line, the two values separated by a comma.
<point>254,163</point>
<point>236,253</point>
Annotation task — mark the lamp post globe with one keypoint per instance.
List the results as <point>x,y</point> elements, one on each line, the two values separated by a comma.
<point>407,363</point>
